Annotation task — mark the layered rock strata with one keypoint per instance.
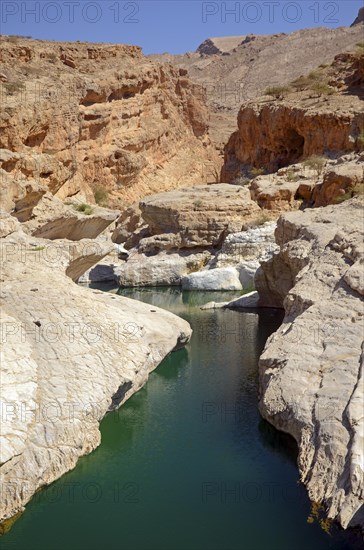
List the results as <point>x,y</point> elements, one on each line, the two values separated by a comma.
<point>320,114</point>
<point>113,126</point>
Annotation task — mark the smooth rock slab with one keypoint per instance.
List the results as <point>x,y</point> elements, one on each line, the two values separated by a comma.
<point>68,356</point>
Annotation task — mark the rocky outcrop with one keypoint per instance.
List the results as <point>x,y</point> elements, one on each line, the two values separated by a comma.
<point>130,227</point>
<point>198,216</point>
<point>245,250</point>
<point>116,126</point>
<point>339,182</point>
<point>52,219</point>
<point>219,45</point>
<point>311,371</point>
<point>360,18</point>
<point>320,114</point>
<point>193,229</point>
<point>68,356</point>
<point>234,266</point>
<point>316,182</point>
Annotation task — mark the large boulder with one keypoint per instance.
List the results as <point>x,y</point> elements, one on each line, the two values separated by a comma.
<point>223,278</point>
<point>340,181</point>
<point>199,216</point>
<point>164,269</point>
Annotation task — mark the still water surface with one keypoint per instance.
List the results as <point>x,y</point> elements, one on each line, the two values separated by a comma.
<point>186,463</point>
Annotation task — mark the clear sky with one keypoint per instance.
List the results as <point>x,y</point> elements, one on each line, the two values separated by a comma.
<point>166,25</point>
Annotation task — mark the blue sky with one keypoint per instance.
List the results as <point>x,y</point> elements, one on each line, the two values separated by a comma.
<point>164,25</point>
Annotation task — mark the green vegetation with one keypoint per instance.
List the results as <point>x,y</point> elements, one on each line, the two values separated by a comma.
<point>315,80</point>
<point>101,195</point>
<point>52,57</point>
<point>292,175</point>
<point>361,140</point>
<point>83,207</point>
<point>14,39</point>
<point>240,180</point>
<point>316,163</point>
<point>322,89</point>
<point>254,172</point>
<point>360,45</point>
<point>277,91</point>
<point>14,87</point>
<point>37,248</point>
<point>357,190</point>
<point>245,179</point>
<point>261,220</point>
<point>197,203</point>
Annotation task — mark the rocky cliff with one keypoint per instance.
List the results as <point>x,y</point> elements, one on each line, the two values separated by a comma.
<point>97,121</point>
<point>236,69</point>
<point>311,371</point>
<point>318,114</point>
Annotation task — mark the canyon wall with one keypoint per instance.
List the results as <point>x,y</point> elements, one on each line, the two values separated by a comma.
<point>311,371</point>
<point>320,114</point>
<point>82,120</point>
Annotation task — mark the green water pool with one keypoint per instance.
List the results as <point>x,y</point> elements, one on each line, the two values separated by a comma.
<point>187,463</point>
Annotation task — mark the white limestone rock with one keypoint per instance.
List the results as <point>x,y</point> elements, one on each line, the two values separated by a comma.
<point>311,371</point>
<point>69,355</point>
<point>224,278</point>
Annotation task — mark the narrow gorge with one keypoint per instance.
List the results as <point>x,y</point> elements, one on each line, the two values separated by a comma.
<point>148,221</point>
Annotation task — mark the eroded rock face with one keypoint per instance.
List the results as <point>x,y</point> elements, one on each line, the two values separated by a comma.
<point>113,120</point>
<point>68,356</point>
<point>236,69</point>
<point>311,371</point>
<point>326,120</point>
<point>130,227</point>
<point>245,251</point>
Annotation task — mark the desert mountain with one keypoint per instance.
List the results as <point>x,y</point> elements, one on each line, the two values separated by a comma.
<point>234,69</point>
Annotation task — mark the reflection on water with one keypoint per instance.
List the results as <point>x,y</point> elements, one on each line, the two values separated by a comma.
<point>187,463</point>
